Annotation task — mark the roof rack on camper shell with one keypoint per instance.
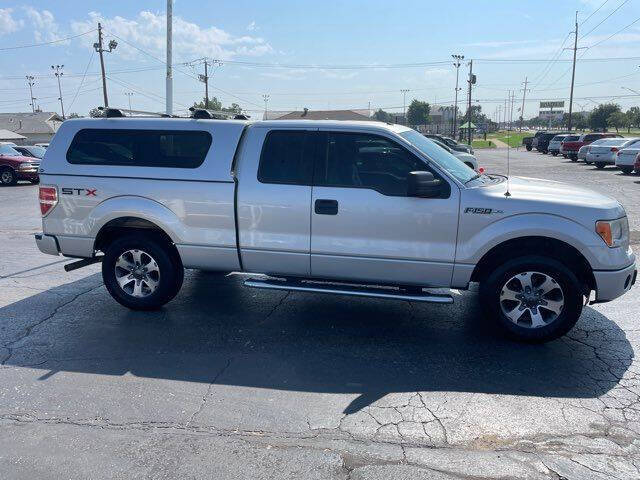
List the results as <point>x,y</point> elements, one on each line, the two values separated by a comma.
<point>200,113</point>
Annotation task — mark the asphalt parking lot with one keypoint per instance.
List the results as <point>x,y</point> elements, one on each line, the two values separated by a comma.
<point>226,382</point>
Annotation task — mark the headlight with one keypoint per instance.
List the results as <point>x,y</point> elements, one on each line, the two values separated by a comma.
<point>614,232</point>
<point>26,166</point>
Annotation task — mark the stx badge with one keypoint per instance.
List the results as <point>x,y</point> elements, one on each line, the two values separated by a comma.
<point>87,192</point>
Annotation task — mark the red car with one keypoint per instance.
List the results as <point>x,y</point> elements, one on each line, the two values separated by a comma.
<point>570,149</point>
<point>14,166</point>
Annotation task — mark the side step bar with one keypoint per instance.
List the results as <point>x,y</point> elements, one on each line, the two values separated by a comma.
<point>416,295</point>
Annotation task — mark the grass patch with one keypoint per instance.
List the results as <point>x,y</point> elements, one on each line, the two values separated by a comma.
<point>514,139</point>
<point>483,144</point>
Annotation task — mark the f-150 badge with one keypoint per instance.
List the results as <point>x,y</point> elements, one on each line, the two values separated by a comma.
<point>482,211</point>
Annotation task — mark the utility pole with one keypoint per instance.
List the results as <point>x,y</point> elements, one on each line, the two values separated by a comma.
<point>524,95</point>
<point>513,101</point>
<point>205,78</point>
<point>57,71</point>
<point>169,81</point>
<point>505,111</point>
<point>573,73</point>
<point>99,48</point>
<point>404,104</point>
<point>30,81</point>
<point>456,63</point>
<point>472,80</point>
<point>265,97</point>
<point>129,94</point>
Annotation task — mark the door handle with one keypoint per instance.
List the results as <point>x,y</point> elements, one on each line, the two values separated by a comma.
<point>326,207</point>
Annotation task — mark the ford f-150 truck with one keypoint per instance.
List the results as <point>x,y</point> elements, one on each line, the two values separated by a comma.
<point>350,208</point>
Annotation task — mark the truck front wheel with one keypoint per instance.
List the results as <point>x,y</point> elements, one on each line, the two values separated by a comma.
<point>532,298</point>
<point>529,148</point>
<point>141,271</point>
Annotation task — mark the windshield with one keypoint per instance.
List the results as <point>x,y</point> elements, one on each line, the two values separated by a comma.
<point>8,150</point>
<point>439,156</point>
<point>557,138</point>
<point>572,138</point>
<point>35,151</point>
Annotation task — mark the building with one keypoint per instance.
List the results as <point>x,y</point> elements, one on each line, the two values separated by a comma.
<point>307,114</point>
<point>38,127</point>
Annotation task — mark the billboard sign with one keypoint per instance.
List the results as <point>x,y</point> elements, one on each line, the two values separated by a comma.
<point>552,104</point>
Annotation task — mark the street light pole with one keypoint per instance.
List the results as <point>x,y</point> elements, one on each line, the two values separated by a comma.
<point>404,104</point>
<point>169,80</point>
<point>58,73</point>
<point>456,64</point>
<point>265,97</point>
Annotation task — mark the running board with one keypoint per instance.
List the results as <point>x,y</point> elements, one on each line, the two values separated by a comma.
<point>351,290</point>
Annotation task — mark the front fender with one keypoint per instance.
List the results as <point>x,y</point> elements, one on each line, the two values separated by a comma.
<point>474,242</point>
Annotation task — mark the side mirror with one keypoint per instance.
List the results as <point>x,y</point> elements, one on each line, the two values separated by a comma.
<point>424,185</point>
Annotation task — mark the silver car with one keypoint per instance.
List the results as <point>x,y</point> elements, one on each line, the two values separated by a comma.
<point>626,158</point>
<point>555,144</point>
<point>582,153</point>
<point>603,152</point>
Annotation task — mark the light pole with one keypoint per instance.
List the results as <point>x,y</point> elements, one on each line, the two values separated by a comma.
<point>129,95</point>
<point>265,97</point>
<point>404,104</point>
<point>57,71</point>
<point>456,64</point>
<point>30,81</point>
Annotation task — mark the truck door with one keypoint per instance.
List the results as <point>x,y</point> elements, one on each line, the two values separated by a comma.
<point>274,174</point>
<point>363,225</point>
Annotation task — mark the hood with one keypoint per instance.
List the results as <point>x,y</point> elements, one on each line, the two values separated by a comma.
<point>529,195</point>
<point>19,158</point>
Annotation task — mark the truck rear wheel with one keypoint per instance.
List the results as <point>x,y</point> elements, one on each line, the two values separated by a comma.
<point>141,271</point>
<point>600,165</point>
<point>532,298</point>
<point>529,148</point>
<point>626,170</point>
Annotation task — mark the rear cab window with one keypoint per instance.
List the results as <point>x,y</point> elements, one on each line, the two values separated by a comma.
<point>287,157</point>
<point>140,148</point>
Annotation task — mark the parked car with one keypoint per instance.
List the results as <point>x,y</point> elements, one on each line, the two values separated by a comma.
<point>469,160</point>
<point>582,153</point>
<point>31,151</point>
<point>636,165</point>
<point>542,141</point>
<point>627,157</point>
<point>567,138</point>
<point>603,152</point>
<point>572,147</point>
<point>325,207</point>
<point>450,142</point>
<point>555,144</point>
<point>14,166</point>
<point>528,141</point>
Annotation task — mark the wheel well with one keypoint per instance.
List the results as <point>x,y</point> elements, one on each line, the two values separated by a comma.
<point>123,225</point>
<point>551,247</point>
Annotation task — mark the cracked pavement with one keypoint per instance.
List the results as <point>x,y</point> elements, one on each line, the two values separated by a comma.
<point>227,382</point>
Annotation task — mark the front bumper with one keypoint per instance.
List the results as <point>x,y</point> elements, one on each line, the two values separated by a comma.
<point>611,284</point>
<point>47,244</point>
<point>30,175</point>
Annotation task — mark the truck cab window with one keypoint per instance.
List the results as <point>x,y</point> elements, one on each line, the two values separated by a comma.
<point>287,157</point>
<point>365,161</point>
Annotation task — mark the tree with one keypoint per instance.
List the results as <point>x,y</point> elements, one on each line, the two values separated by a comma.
<point>214,104</point>
<point>95,113</point>
<point>382,116</point>
<point>634,116</point>
<point>73,115</point>
<point>581,122</point>
<point>418,113</point>
<point>477,117</point>
<point>600,114</point>
<point>617,120</point>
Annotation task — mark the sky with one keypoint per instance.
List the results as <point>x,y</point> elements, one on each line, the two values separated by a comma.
<point>321,54</point>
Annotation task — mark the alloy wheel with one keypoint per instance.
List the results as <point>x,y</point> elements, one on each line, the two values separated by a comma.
<point>532,299</point>
<point>137,273</point>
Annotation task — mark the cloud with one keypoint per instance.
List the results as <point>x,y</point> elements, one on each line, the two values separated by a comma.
<point>148,29</point>
<point>46,29</point>
<point>252,26</point>
<point>7,23</point>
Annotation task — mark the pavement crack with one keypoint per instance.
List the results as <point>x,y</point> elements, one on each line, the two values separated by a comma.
<point>207,393</point>
<point>30,328</point>
<point>275,307</point>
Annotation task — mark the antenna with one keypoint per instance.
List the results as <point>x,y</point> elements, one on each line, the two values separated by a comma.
<point>508,193</point>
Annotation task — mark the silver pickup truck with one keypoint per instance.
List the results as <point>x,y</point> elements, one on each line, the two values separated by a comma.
<point>350,208</point>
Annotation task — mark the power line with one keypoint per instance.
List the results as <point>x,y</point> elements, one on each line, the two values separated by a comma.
<point>605,18</point>
<point>614,34</point>
<point>48,43</point>
<point>594,12</point>
<point>81,81</point>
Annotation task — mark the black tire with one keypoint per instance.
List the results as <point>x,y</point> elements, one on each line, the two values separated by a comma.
<point>8,177</point>
<point>529,148</point>
<point>600,165</point>
<point>588,163</point>
<point>555,154</point>
<point>627,170</point>
<point>492,287</point>
<point>564,155</point>
<point>167,261</point>
<point>35,182</point>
